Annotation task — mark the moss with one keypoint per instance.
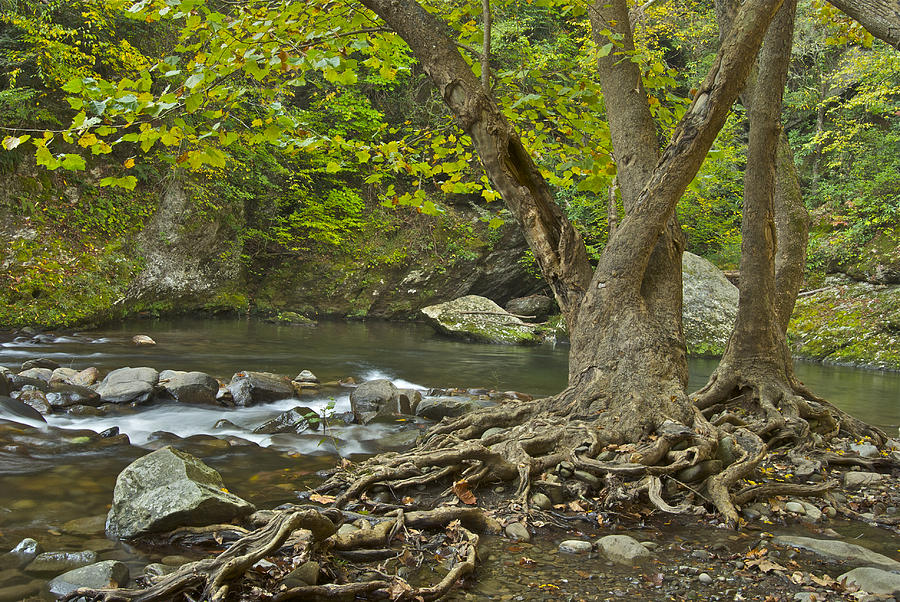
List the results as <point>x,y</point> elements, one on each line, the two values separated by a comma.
<point>849,323</point>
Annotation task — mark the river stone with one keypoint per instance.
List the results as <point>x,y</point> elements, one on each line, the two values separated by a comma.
<point>17,593</point>
<point>63,395</point>
<point>128,385</point>
<point>43,374</point>
<point>37,399</point>
<point>40,362</point>
<point>410,398</point>
<point>305,574</point>
<point>4,385</point>
<point>436,408</point>
<point>795,507</point>
<point>18,381</point>
<point>86,377</point>
<point>89,525</point>
<point>13,408</point>
<point>249,388</point>
<point>536,306</point>
<point>62,375</point>
<point>378,397</point>
<point>866,450</point>
<point>541,501</point>
<point>872,580</point>
<point>306,376</point>
<point>854,479</point>
<point>518,532</point>
<point>22,554</point>
<point>292,421</point>
<point>575,546</point>
<point>622,549</point>
<point>142,339</point>
<point>709,306</point>
<point>167,489</point>
<point>190,387</point>
<point>478,319</point>
<point>838,550</point>
<point>53,563</point>
<point>109,573</point>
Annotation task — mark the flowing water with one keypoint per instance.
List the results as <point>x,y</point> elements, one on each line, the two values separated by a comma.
<point>60,481</point>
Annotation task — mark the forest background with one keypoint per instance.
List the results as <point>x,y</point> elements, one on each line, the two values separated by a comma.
<point>316,196</point>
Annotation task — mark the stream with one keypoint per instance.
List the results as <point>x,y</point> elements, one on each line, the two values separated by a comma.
<point>49,495</point>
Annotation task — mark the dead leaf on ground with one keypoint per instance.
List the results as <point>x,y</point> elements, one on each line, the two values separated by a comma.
<point>765,565</point>
<point>462,491</point>
<point>322,499</point>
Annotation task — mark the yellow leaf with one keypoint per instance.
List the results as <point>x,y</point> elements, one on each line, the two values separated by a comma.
<point>129,163</point>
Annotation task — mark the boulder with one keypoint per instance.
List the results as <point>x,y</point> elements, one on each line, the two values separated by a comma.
<point>872,580</point>
<point>43,374</point>
<point>294,420</point>
<point>709,306</point>
<point>109,573</point>
<point>37,399</point>
<point>53,563</point>
<point>622,549</point>
<point>142,339</point>
<point>189,387</point>
<point>536,306</point>
<point>128,385</point>
<point>436,408</point>
<point>374,398</point>
<point>478,319</point>
<point>40,362</point>
<point>839,550</point>
<point>249,388</point>
<point>167,489</point>
<point>62,375</point>
<point>86,377</point>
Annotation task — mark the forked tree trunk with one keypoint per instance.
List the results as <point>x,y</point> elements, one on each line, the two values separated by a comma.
<point>627,357</point>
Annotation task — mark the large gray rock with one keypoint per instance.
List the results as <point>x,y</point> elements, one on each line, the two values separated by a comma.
<point>710,306</point>
<point>63,395</point>
<point>109,573</point>
<point>168,489</point>
<point>872,580</point>
<point>13,408</point>
<point>53,563</point>
<point>839,550</point>
<point>373,398</point>
<point>536,306</point>
<point>295,420</point>
<point>436,408</point>
<point>249,388</point>
<point>189,387</point>
<point>478,319</point>
<point>622,549</point>
<point>128,385</point>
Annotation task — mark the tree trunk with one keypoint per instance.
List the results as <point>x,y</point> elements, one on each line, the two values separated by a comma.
<point>881,18</point>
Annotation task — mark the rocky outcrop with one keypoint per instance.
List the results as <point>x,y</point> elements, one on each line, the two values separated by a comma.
<point>295,420</point>
<point>709,306</point>
<point>478,319</point>
<point>167,489</point>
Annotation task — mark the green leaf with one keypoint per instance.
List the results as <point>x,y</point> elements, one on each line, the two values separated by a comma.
<point>73,162</point>
<point>332,167</point>
<point>605,50</point>
<point>73,86</point>
<point>193,81</point>
<point>127,182</point>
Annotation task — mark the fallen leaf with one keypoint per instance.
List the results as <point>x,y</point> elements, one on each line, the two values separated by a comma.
<point>322,499</point>
<point>823,581</point>
<point>765,565</point>
<point>575,506</point>
<point>462,491</point>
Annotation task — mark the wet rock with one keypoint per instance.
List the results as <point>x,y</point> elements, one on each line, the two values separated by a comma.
<point>189,387</point>
<point>306,376</point>
<point>53,563</point>
<point>128,385</point>
<point>575,546</point>
<point>872,580</point>
<point>37,400</point>
<point>709,308</point>
<point>80,410</point>
<point>89,525</point>
<point>62,375</point>
<point>109,573</point>
<point>5,387</point>
<point>110,432</point>
<point>727,451</point>
<point>478,319</point>
<point>436,408</point>
<point>17,593</point>
<point>64,395</point>
<point>838,550</point>
<point>295,420</point>
<point>586,477</point>
<point>812,513</point>
<point>86,377</point>
<point>518,532</point>
<point>373,398</point>
<point>704,578</point>
<point>622,549</point>
<point>13,408</point>
<point>536,306</point>
<point>866,450</point>
<point>224,423</point>
<point>855,479</point>
<point>410,398</point>
<point>142,339</point>
<point>168,489</point>
<point>795,507</point>
<point>43,374</point>
<point>249,388</point>
<point>158,569</point>
<point>18,381</point>
<point>40,362</point>
<point>24,552</point>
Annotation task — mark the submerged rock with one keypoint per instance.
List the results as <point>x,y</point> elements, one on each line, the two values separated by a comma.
<point>622,549</point>
<point>839,550</point>
<point>13,408</point>
<point>168,489</point>
<point>478,319</point>
<point>53,563</point>
<point>249,388</point>
<point>128,385</point>
<point>109,573</point>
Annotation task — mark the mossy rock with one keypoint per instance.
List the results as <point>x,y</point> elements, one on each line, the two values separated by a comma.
<point>478,319</point>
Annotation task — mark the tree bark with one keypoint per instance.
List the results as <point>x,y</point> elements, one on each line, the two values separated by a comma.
<point>881,18</point>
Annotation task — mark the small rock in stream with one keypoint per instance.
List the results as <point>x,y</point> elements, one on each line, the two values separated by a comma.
<point>575,546</point>
<point>109,573</point>
<point>518,532</point>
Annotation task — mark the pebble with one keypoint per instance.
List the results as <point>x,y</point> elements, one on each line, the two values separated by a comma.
<point>575,546</point>
<point>795,507</point>
<point>705,579</point>
<point>518,531</point>
<point>541,501</point>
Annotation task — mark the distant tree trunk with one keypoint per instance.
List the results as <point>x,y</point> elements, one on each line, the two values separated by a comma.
<point>881,18</point>
<point>612,210</point>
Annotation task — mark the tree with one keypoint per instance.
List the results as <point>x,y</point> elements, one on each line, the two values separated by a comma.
<point>881,18</point>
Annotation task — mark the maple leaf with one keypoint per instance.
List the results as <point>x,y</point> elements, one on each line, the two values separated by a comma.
<point>462,491</point>
<point>765,565</point>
